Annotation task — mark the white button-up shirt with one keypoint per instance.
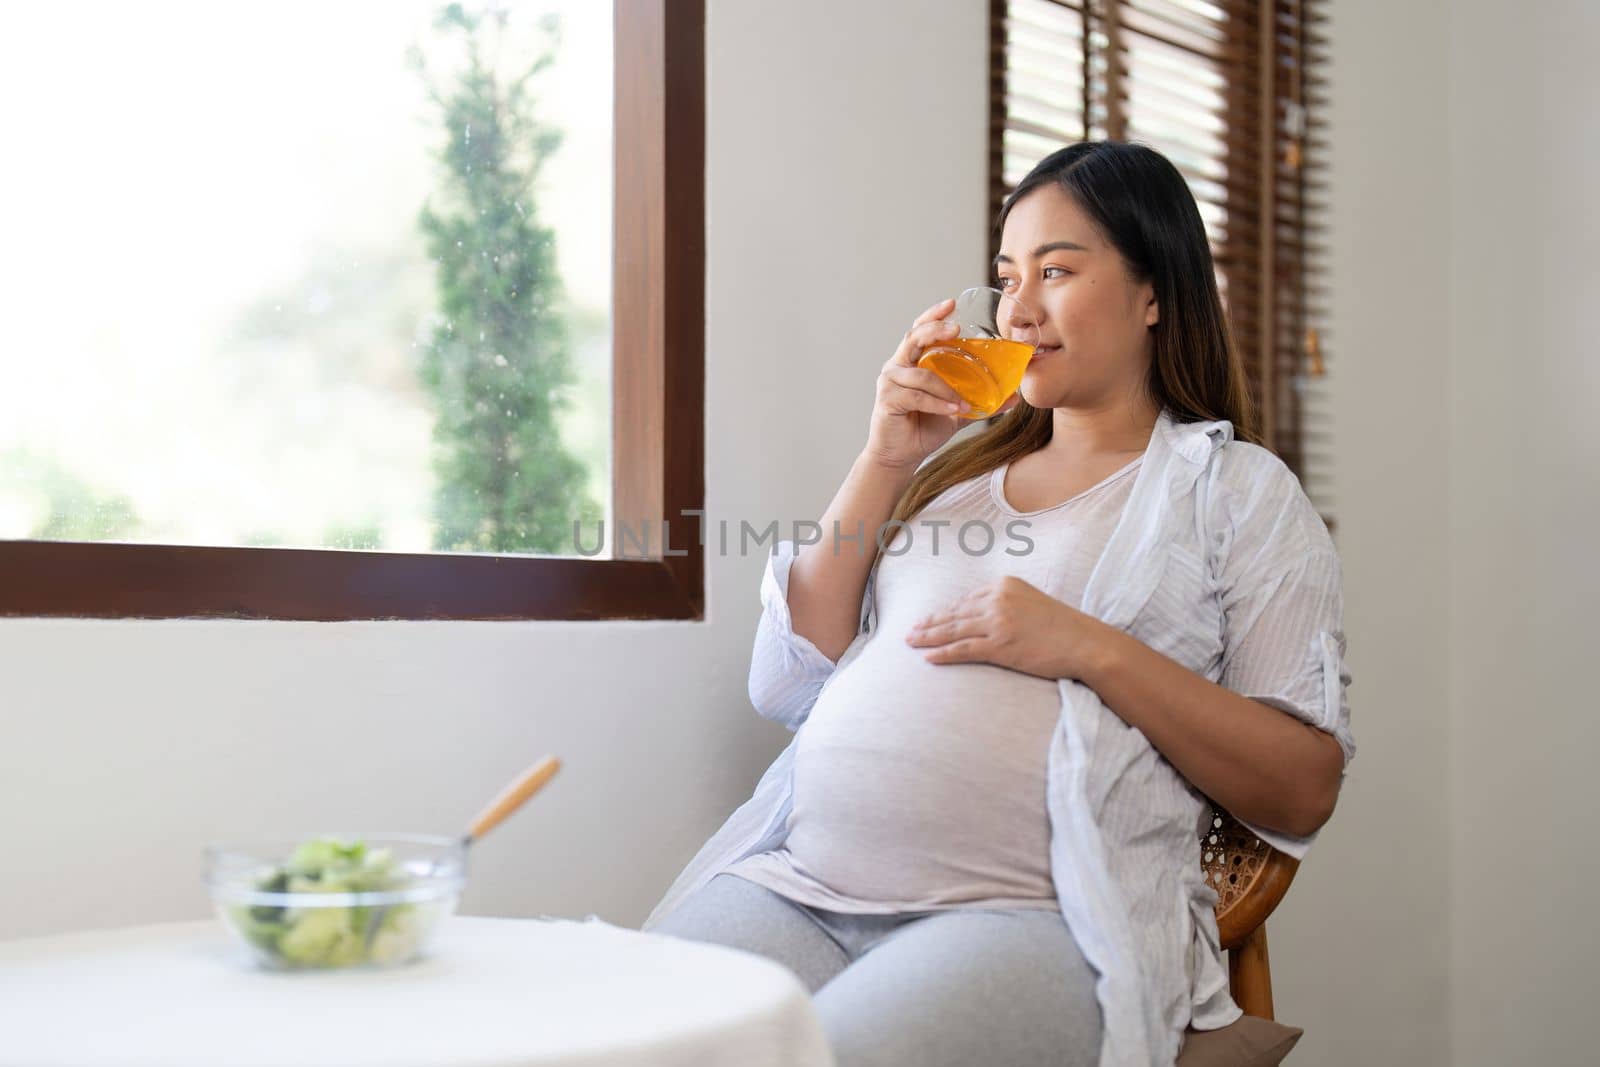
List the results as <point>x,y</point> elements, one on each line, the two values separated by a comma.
<point>1219,562</point>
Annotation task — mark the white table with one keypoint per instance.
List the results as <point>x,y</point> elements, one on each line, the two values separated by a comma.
<point>491,993</point>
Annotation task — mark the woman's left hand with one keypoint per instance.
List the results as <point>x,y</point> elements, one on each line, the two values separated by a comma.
<point>1010,623</point>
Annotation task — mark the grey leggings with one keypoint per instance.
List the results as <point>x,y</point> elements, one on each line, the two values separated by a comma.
<point>965,987</point>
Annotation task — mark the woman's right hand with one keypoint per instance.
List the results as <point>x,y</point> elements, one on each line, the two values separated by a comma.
<point>915,411</point>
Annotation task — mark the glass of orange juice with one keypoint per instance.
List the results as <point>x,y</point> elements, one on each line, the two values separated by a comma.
<point>984,363</point>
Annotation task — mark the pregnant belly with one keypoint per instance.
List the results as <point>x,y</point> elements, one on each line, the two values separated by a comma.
<point>918,781</point>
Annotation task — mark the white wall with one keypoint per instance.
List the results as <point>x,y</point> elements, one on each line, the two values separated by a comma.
<point>1456,925</point>
<point>845,193</point>
<point>1524,515</point>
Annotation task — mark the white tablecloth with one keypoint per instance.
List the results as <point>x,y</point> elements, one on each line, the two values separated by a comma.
<point>500,992</point>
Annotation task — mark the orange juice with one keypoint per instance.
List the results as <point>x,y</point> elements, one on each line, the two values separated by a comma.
<point>983,370</point>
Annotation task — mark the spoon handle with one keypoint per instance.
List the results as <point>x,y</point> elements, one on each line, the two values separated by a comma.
<point>513,796</point>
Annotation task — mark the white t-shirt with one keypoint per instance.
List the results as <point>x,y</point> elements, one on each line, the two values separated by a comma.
<point>921,786</point>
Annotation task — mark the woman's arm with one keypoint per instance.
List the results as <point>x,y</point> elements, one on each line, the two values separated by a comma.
<point>913,415</point>
<point>1260,764</point>
<point>1267,767</point>
<point>787,672</point>
<point>829,578</point>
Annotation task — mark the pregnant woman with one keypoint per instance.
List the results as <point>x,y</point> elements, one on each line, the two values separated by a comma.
<point>982,844</point>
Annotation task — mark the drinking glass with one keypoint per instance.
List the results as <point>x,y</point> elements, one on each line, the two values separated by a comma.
<point>985,362</point>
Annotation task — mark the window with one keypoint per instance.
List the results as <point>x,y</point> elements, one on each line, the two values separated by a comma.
<point>381,432</point>
<point>1231,91</point>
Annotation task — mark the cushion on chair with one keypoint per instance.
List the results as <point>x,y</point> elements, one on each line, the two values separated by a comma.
<point>1248,1041</point>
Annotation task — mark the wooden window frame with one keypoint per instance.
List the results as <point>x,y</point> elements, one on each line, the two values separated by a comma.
<point>658,361</point>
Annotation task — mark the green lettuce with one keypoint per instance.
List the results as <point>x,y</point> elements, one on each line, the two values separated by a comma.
<point>312,936</point>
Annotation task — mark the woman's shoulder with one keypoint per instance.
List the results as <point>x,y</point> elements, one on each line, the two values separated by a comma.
<point>1240,463</point>
<point>1257,496</point>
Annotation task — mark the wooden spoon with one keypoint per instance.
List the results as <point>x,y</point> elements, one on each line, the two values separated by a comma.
<point>510,799</point>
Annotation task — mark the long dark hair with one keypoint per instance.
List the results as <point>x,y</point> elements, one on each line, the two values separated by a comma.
<point>1143,207</point>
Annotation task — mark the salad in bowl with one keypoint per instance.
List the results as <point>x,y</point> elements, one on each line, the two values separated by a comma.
<point>337,900</point>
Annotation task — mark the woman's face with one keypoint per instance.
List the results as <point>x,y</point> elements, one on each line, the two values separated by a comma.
<point>1094,320</point>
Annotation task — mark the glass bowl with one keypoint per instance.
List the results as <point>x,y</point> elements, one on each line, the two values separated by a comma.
<point>327,901</point>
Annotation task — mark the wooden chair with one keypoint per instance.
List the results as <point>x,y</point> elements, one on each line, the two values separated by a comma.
<point>1250,877</point>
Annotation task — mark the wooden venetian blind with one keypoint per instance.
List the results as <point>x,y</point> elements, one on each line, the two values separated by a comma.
<point>1231,91</point>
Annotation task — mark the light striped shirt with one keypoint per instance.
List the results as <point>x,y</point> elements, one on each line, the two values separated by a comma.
<point>1219,562</point>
